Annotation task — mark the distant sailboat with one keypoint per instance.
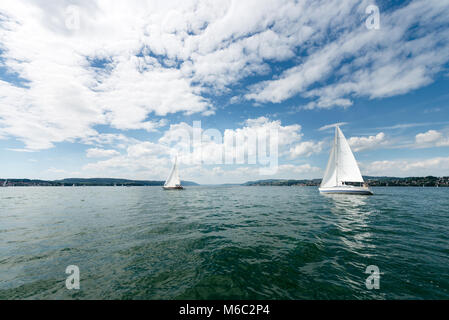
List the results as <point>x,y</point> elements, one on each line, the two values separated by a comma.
<point>5,182</point>
<point>173,182</point>
<point>342,169</point>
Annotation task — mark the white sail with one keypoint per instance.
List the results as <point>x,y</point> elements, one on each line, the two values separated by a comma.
<point>173,179</point>
<point>347,168</point>
<point>330,175</point>
<point>342,166</point>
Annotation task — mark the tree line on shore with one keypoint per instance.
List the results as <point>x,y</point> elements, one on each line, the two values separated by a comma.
<point>429,181</point>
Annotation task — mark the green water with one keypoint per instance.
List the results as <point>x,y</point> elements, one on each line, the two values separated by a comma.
<point>223,243</point>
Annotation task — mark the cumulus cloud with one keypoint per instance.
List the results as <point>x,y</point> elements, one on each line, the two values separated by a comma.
<point>367,143</point>
<point>233,147</point>
<point>437,166</point>
<point>431,138</point>
<point>306,148</point>
<point>242,143</point>
<point>68,81</point>
<point>124,64</point>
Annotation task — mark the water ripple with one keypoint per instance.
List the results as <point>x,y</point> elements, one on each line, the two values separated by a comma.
<point>223,243</point>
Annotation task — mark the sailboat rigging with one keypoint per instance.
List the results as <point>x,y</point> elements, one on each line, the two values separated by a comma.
<point>173,182</point>
<point>342,170</point>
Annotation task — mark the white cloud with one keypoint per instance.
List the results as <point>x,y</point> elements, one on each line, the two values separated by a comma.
<point>147,149</point>
<point>129,63</point>
<point>333,125</point>
<point>19,150</point>
<point>218,146</point>
<point>438,166</point>
<point>392,60</point>
<point>428,137</point>
<point>412,125</point>
<point>64,95</point>
<point>431,138</point>
<point>306,148</point>
<point>148,160</point>
<point>117,140</point>
<point>101,153</point>
<point>326,102</point>
<point>367,143</point>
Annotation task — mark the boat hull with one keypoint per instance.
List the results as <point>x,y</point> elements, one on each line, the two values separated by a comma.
<point>346,190</point>
<point>173,188</point>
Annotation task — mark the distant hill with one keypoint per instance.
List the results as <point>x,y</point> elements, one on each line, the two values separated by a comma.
<point>88,182</point>
<point>428,181</point>
<point>283,182</point>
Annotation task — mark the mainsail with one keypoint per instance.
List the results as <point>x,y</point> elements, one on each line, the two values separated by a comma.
<point>330,175</point>
<point>173,179</point>
<point>342,166</point>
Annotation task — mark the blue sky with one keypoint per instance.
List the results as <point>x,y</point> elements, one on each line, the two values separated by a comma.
<point>103,89</point>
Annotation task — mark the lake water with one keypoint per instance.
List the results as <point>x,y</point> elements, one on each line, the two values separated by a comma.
<point>223,243</point>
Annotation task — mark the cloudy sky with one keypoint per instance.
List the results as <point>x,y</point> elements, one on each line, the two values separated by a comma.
<point>101,88</point>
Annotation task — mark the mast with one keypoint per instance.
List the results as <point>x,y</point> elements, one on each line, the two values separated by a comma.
<point>341,167</point>
<point>336,155</point>
<point>173,179</point>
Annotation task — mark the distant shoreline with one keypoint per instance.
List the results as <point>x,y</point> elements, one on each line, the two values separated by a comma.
<point>85,182</point>
<point>429,181</point>
<point>212,185</point>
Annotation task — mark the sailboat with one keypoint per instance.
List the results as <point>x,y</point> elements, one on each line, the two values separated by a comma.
<point>5,182</point>
<point>342,171</point>
<point>173,182</point>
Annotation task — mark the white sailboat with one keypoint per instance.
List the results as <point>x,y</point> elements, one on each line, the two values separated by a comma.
<point>342,170</point>
<point>173,182</point>
<point>5,182</point>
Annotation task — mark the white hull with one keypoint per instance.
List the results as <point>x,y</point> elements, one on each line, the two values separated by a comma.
<point>346,190</point>
<point>173,188</point>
